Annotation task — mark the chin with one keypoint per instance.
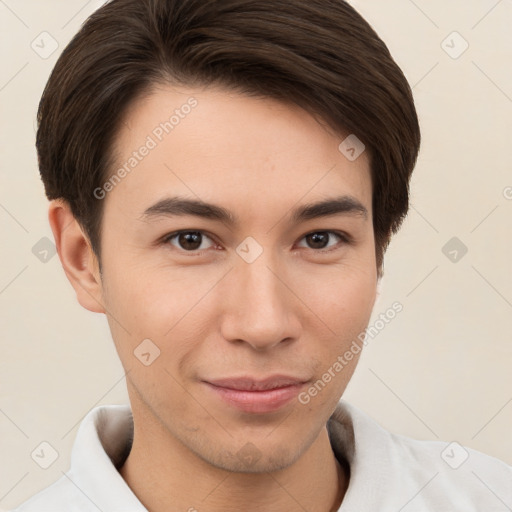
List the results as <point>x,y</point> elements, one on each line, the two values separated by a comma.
<point>246,455</point>
<point>251,460</point>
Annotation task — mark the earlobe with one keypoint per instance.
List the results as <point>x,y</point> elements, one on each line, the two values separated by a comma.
<point>76,255</point>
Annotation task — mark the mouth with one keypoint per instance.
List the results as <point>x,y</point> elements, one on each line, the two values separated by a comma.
<point>257,395</point>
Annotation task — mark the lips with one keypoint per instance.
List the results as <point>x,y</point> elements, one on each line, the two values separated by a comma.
<point>257,395</point>
<point>252,384</point>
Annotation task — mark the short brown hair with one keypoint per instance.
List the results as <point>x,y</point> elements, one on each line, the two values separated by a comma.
<point>319,54</point>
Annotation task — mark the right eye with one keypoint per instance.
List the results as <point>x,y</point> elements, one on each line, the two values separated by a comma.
<point>186,241</point>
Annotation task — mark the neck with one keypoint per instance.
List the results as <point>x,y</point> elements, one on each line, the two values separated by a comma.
<point>166,476</point>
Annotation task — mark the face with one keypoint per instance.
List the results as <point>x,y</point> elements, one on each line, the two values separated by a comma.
<point>230,298</point>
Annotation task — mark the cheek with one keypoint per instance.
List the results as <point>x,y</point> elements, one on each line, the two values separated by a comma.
<point>344,305</point>
<point>150,321</point>
<point>153,301</point>
<point>170,309</point>
<point>353,306</point>
<point>343,297</point>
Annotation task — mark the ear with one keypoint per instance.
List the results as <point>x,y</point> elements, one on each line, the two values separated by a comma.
<point>76,256</point>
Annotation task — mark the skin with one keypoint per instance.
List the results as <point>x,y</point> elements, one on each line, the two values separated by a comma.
<point>212,314</point>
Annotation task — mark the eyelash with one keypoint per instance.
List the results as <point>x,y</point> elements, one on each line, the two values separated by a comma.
<point>345,240</point>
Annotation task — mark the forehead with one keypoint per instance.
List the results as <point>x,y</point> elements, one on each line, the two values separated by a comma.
<point>220,146</point>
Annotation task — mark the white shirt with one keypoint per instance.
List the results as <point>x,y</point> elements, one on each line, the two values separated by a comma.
<point>389,473</point>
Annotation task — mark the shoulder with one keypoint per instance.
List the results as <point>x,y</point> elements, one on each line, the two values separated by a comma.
<point>62,495</point>
<point>92,482</point>
<point>410,474</point>
<point>451,471</point>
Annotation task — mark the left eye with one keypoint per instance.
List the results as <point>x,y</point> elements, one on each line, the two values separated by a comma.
<point>320,238</point>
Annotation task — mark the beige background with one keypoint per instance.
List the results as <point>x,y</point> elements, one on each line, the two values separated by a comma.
<point>440,370</point>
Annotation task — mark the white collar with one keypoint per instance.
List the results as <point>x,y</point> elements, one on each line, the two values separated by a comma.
<point>388,472</point>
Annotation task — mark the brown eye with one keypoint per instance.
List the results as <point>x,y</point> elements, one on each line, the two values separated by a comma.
<point>319,240</point>
<point>187,241</point>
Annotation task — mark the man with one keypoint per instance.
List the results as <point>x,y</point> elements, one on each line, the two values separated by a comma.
<point>224,178</point>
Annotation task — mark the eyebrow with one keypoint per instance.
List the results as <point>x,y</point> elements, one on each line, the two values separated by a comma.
<point>179,206</point>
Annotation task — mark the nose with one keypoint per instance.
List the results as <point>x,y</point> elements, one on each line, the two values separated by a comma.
<point>261,309</point>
